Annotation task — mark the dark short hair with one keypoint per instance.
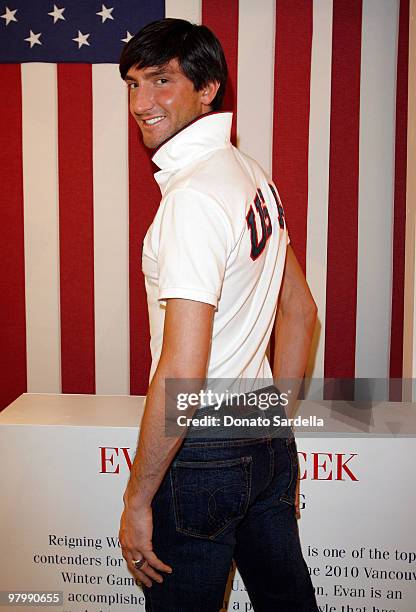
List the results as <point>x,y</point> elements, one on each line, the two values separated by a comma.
<point>197,49</point>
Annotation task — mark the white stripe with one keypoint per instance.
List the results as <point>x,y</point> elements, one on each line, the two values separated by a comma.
<point>184,9</point>
<point>41,229</point>
<point>409,349</point>
<point>318,174</point>
<point>111,230</point>
<point>376,186</point>
<point>256,32</point>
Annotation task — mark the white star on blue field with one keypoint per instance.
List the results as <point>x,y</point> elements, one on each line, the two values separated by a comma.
<point>87,31</point>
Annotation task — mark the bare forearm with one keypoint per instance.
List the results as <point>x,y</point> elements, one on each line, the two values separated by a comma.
<point>184,357</point>
<point>155,451</point>
<point>293,340</point>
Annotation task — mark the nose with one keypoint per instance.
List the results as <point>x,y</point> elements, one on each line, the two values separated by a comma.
<point>141,100</point>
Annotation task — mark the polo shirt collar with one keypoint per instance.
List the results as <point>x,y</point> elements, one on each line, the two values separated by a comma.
<point>204,135</point>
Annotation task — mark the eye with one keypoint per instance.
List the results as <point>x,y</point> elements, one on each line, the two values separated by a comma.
<point>131,85</point>
<point>162,81</point>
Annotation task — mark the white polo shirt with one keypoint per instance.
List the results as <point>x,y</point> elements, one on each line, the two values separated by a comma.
<point>219,237</point>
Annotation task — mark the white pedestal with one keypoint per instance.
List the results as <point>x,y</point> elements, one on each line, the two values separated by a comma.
<point>64,466</point>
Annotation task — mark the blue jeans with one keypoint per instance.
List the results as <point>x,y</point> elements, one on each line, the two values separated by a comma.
<point>223,500</point>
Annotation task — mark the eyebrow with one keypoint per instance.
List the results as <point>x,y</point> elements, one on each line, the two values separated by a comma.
<point>151,73</point>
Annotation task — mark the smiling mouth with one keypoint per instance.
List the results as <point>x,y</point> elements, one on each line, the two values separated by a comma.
<point>153,121</point>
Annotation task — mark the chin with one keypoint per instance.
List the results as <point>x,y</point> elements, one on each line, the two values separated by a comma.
<point>149,143</point>
<point>156,141</point>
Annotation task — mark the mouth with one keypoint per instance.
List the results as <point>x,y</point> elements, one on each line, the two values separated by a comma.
<point>152,121</point>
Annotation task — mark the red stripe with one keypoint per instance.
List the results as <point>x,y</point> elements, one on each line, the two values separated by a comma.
<point>341,293</point>
<point>76,230</point>
<point>292,70</point>
<point>144,198</point>
<point>13,380</point>
<point>399,228</point>
<point>222,19</point>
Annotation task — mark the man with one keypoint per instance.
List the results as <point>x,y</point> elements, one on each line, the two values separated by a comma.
<point>214,259</point>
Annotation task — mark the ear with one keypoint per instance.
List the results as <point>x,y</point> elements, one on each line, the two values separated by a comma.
<point>208,93</point>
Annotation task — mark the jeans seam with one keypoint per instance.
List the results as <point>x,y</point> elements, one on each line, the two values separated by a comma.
<point>212,463</point>
<point>284,497</point>
<point>226,443</point>
<point>271,464</point>
<point>249,476</point>
<point>174,500</point>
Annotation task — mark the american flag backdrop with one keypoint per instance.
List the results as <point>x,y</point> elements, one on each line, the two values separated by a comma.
<point>319,91</point>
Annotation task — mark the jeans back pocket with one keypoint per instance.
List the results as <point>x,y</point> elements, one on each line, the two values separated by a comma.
<point>209,495</point>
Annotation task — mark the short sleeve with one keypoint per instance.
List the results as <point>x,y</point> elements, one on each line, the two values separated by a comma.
<point>193,247</point>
